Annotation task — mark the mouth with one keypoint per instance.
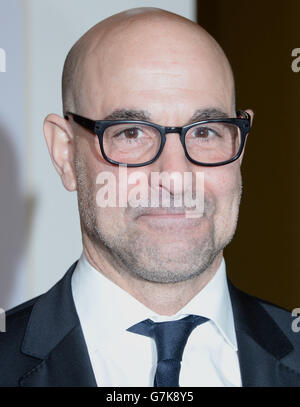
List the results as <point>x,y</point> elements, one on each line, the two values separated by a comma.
<point>165,212</point>
<point>168,219</point>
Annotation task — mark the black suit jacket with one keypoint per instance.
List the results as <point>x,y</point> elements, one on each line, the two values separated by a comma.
<point>44,344</point>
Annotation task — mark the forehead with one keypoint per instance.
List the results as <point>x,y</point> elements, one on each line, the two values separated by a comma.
<point>171,73</point>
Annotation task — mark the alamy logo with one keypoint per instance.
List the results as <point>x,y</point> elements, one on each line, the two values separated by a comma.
<point>135,189</point>
<point>296,61</point>
<point>2,60</point>
<point>2,320</point>
<point>296,321</point>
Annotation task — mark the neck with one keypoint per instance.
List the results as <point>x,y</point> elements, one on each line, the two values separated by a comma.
<point>162,298</point>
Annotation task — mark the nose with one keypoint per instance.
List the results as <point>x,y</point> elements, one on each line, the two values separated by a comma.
<point>173,163</point>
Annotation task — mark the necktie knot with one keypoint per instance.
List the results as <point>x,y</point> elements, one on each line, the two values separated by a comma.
<point>170,338</point>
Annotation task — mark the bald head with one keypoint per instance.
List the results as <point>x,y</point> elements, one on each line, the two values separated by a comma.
<point>141,38</point>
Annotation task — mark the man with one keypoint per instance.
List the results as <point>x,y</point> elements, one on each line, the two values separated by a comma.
<point>148,302</point>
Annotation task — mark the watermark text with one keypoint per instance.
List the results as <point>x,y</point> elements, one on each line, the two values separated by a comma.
<point>2,320</point>
<point>155,190</point>
<point>296,61</point>
<point>2,60</point>
<point>296,321</point>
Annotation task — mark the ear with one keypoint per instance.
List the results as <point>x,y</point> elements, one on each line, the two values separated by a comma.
<point>60,141</point>
<point>251,114</point>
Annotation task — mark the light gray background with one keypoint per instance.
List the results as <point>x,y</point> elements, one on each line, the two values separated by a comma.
<point>39,224</point>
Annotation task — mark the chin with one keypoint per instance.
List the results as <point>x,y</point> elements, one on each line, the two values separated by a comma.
<point>174,261</point>
<point>172,272</point>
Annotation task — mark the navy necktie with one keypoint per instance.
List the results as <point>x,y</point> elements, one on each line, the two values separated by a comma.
<point>170,338</point>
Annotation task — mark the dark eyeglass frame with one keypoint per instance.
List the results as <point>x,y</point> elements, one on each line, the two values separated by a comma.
<point>98,127</point>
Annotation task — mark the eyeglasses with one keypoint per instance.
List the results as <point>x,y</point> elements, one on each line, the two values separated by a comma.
<point>137,143</point>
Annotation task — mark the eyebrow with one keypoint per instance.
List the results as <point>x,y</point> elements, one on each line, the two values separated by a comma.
<point>207,114</point>
<point>124,114</point>
<point>143,115</point>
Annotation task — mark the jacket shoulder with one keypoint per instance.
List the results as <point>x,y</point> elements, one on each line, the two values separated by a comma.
<point>17,317</point>
<point>278,313</point>
<point>283,321</point>
<point>13,363</point>
<point>35,322</point>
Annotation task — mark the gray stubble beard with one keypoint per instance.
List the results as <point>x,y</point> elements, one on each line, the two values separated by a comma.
<point>132,255</point>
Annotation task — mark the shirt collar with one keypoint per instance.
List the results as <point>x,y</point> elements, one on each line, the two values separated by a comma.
<point>106,310</point>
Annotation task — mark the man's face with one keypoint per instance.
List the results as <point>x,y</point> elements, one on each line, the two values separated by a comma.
<point>170,75</point>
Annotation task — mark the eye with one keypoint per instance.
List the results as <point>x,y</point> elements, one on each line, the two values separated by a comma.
<point>130,133</point>
<point>204,132</point>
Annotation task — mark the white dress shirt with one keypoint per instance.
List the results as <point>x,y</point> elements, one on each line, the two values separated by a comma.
<point>123,358</point>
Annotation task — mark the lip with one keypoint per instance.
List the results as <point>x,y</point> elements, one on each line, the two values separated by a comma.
<point>167,219</point>
<point>164,212</point>
<point>165,215</point>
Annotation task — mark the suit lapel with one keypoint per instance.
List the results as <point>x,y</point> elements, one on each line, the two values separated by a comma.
<point>54,336</point>
<point>262,345</point>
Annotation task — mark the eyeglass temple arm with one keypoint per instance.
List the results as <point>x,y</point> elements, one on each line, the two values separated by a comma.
<point>244,114</point>
<point>86,123</point>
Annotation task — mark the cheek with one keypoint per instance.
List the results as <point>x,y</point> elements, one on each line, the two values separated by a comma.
<point>111,192</point>
<point>223,186</point>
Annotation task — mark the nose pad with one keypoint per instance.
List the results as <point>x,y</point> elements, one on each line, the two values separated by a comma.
<point>176,130</point>
<point>173,148</point>
<point>173,163</point>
